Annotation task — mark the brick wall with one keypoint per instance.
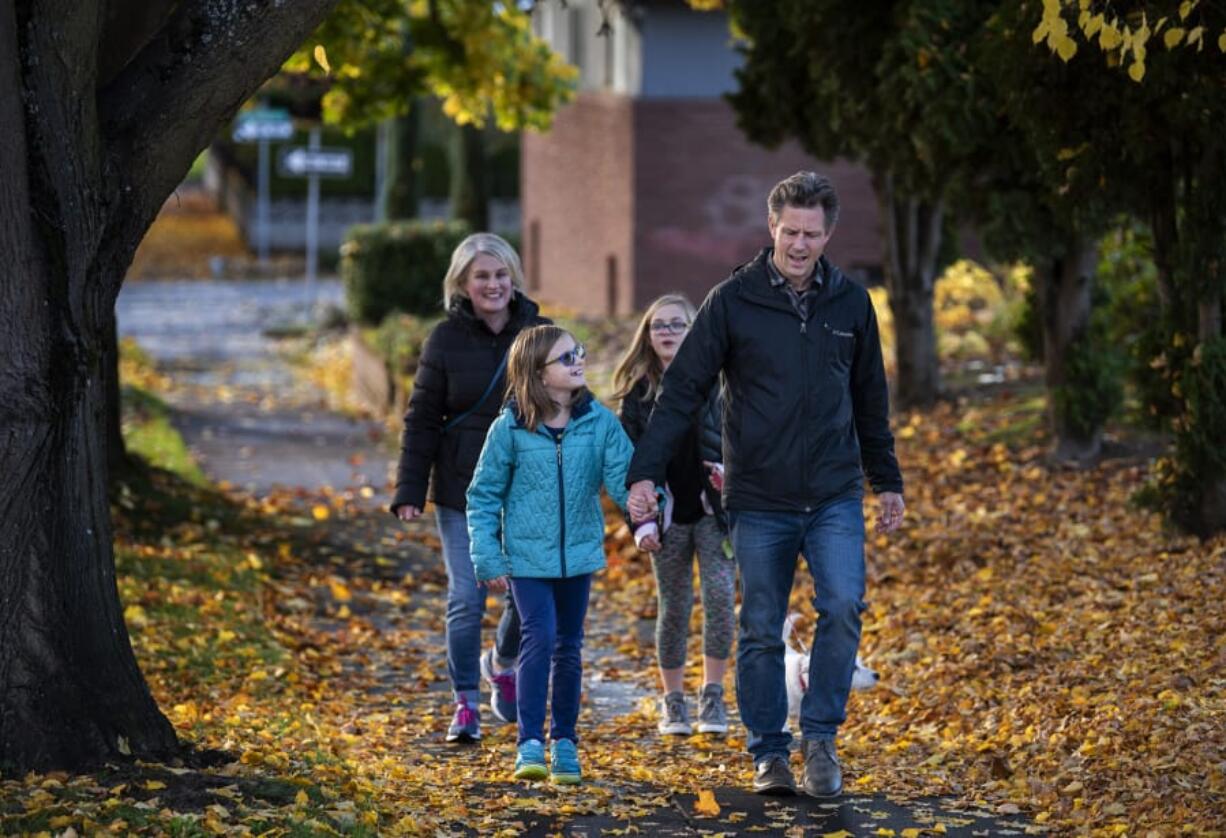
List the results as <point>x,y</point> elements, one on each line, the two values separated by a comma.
<point>701,192</point>
<point>576,190</point>
<point>625,200</point>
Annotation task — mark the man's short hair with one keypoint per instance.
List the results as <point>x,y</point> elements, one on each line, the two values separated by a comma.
<point>805,189</point>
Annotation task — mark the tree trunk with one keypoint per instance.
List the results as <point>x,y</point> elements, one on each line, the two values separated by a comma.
<point>1065,303</point>
<point>469,190</point>
<point>84,169</point>
<point>116,450</point>
<point>401,190</point>
<point>913,241</point>
<point>72,692</point>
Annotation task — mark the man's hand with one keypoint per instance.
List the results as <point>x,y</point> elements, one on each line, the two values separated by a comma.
<point>892,509</point>
<point>641,504</point>
<point>407,512</point>
<point>498,584</point>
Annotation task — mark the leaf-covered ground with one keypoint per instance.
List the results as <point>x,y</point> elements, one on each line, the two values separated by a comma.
<point>1052,661</point>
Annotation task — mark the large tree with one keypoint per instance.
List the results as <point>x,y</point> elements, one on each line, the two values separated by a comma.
<point>1160,148</point>
<point>884,83</point>
<point>103,107</point>
<point>381,58</point>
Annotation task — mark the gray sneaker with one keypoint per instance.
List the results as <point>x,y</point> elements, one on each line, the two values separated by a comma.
<point>466,723</point>
<point>712,715</point>
<point>674,718</point>
<point>772,775</point>
<point>823,777</point>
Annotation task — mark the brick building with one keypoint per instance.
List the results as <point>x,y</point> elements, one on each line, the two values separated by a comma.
<point>645,185</point>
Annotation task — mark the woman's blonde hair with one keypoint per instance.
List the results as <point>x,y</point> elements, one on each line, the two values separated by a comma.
<point>640,360</point>
<point>525,360</point>
<point>462,259</point>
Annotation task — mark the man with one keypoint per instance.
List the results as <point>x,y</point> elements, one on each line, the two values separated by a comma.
<point>806,415</point>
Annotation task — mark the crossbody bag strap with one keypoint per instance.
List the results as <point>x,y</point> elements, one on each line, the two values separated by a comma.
<point>489,389</point>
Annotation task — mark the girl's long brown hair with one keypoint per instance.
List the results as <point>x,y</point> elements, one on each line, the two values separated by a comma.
<point>640,360</point>
<point>525,360</point>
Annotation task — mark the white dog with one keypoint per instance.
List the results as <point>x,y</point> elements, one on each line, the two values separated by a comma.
<point>796,664</point>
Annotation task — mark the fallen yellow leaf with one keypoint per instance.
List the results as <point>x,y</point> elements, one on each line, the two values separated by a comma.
<point>705,804</point>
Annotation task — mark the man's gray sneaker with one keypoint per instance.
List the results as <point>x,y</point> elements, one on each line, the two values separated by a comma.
<point>773,775</point>
<point>674,717</point>
<point>823,777</point>
<point>712,715</point>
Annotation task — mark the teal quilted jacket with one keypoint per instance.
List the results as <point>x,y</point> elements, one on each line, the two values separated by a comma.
<point>534,504</point>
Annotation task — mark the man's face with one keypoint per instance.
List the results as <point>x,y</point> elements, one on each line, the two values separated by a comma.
<point>800,236</point>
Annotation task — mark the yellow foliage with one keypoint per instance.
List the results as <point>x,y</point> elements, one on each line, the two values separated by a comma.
<point>706,804</point>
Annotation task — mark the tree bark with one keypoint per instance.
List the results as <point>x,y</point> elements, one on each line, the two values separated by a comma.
<point>470,199</point>
<point>913,241</point>
<point>116,449</point>
<point>401,189</point>
<point>83,178</point>
<point>1065,295</point>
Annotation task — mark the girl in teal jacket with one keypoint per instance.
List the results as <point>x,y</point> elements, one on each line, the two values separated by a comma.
<point>535,523</point>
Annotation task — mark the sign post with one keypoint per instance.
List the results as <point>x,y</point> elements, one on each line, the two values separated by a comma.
<point>262,126</point>
<point>313,163</point>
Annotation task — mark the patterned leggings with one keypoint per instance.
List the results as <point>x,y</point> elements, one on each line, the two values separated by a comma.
<point>674,569</point>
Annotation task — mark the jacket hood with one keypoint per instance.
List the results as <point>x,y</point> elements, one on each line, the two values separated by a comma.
<point>578,410</point>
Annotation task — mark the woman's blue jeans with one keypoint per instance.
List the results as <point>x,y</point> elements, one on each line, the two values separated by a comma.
<point>466,606</point>
<point>766,545</point>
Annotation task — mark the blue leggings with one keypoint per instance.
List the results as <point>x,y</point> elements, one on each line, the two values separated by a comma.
<point>551,613</point>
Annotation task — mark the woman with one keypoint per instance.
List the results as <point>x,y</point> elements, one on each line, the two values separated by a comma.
<point>457,393</point>
<point>693,523</point>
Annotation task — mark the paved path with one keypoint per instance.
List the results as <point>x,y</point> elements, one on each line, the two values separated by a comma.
<point>254,424</point>
<point>247,417</point>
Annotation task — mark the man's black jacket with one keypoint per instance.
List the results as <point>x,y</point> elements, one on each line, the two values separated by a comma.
<point>805,402</point>
<point>457,362</point>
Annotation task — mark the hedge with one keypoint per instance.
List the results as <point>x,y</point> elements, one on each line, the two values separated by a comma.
<point>397,266</point>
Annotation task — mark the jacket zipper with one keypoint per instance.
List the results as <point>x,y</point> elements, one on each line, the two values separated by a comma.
<point>561,505</point>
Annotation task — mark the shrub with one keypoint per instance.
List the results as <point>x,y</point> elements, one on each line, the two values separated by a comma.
<point>1093,389</point>
<point>1184,484</point>
<point>399,339</point>
<point>397,266</point>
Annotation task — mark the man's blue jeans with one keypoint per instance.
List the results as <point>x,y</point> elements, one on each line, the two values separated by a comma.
<point>466,605</point>
<point>766,545</point>
<point>551,654</point>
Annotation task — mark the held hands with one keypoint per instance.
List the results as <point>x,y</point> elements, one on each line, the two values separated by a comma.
<point>641,503</point>
<point>715,473</point>
<point>498,584</point>
<point>642,506</point>
<point>889,517</point>
<point>650,543</point>
<point>407,512</point>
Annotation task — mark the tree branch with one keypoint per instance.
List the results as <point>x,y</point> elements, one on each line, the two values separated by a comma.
<point>58,49</point>
<point>169,101</point>
<point>23,331</point>
<point>127,26</point>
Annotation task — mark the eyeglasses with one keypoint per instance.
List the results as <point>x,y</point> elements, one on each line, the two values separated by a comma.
<point>672,327</point>
<point>571,357</point>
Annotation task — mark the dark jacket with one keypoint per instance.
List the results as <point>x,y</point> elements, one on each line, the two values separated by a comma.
<point>457,362</point>
<point>636,410</point>
<point>806,403</point>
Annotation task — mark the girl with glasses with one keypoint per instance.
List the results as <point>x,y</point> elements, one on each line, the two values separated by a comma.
<point>535,524</point>
<point>692,522</point>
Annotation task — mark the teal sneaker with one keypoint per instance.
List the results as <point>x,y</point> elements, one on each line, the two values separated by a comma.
<point>564,763</point>
<point>530,760</point>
